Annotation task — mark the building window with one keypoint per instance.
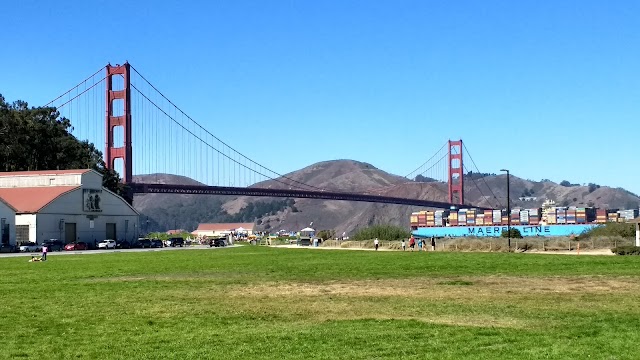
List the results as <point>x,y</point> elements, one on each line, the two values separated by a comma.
<point>22,233</point>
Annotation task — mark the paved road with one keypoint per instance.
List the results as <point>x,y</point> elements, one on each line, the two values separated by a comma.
<point>89,252</point>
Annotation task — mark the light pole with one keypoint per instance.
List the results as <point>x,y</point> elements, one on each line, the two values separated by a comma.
<point>508,211</point>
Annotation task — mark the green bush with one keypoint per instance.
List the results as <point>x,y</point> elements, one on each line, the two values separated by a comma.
<point>515,234</point>
<point>326,234</point>
<point>382,232</point>
<point>626,250</point>
<point>624,230</point>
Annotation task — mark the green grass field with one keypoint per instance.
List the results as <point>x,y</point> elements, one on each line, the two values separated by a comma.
<point>267,303</point>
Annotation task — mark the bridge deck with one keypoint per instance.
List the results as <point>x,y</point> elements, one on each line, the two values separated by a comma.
<point>144,188</point>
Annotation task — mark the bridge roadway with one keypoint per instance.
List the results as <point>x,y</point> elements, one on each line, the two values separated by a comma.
<point>143,188</point>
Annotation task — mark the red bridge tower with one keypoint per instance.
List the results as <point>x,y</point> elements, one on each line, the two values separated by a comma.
<point>456,175</point>
<point>124,152</point>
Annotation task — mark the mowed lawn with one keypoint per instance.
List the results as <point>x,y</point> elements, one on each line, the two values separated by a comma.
<point>267,303</point>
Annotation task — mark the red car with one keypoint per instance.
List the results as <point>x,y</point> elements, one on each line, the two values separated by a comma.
<point>76,246</point>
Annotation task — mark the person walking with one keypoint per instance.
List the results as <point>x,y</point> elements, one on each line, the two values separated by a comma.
<point>420,244</point>
<point>433,243</point>
<point>404,245</point>
<point>375,242</point>
<point>412,243</point>
<point>44,252</point>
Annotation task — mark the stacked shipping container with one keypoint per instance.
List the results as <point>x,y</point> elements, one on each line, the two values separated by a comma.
<point>628,214</point>
<point>453,218</point>
<point>497,217</point>
<point>554,216</point>
<point>534,216</point>
<point>515,217</point>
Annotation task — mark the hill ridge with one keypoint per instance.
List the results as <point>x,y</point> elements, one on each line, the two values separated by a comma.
<point>167,211</point>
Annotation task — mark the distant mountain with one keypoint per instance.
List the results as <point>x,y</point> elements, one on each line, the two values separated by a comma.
<point>169,211</point>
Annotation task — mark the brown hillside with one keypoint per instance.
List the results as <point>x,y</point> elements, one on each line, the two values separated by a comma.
<point>354,176</point>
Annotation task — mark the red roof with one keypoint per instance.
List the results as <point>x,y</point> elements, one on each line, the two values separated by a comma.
<point>225,226</point>
<point>45,172</point>
<point>32,199</point>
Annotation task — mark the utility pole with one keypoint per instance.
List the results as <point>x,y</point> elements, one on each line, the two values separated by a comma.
<point>508,211</point>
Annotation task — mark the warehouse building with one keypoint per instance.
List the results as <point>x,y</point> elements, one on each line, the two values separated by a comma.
<point>69,205</point>
<point>7,224</point>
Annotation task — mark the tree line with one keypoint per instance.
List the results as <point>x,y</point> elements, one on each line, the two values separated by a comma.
<point>38,138</point>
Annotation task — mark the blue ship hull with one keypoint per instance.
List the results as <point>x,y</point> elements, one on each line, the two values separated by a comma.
<point>496,231</point>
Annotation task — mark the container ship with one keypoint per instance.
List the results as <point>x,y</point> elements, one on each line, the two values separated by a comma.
<point>548,221</point>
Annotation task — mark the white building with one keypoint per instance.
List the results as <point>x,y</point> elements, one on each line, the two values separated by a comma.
<point>70,205</point>
<point>7,224</point>
<point>223,229</point>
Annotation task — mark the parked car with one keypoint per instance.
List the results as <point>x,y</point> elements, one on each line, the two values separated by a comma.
<point>107,244</point>
<point>173,242</point>
<point>144,243</point>
<point>123,244</point>
<point>218,242</point>
<point>76,246</point>
<point>8,248</point>
<point>53,245</point>
<point>156,243</point>
<point>30,247</point>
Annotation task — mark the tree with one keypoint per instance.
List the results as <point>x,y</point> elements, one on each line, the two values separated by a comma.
<point>515,234</point>
<point>37,138</point>
<point>327,234</point>
<point>424,179</point>
<point>593,187</point>
<point>565,183</point>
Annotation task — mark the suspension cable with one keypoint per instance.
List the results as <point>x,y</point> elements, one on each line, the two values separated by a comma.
<point>70,90</point>
<point>426,162</point>
<point>209,145</point>
<point>476,166</point>
<point>222,142</point>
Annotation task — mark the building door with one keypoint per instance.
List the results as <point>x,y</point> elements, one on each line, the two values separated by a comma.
<point>69,232</point>
<point>111,231</point>
<point>22,233</point>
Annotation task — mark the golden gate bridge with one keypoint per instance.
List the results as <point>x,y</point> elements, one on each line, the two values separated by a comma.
<point>119,107</point>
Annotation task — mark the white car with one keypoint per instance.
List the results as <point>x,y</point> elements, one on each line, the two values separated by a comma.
<point>107,244</point>
<point>32,247</point>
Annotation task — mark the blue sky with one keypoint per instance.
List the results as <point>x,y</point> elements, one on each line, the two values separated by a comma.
<point>547,89</point>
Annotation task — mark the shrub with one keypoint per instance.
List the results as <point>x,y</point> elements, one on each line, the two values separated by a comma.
<point>515,234</point>
<point>382,232</point>
<point>612,229</point>
<point>626,250</point>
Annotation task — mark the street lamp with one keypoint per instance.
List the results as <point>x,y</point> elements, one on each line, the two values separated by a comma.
<point>508,211</point>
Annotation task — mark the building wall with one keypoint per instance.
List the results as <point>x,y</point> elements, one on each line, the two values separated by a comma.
<point>90,225</point>
<point>49,227</point>
<point>218,232</point>
<point>210,232</point>
<point>9,217</point>
<point>30,220</point>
